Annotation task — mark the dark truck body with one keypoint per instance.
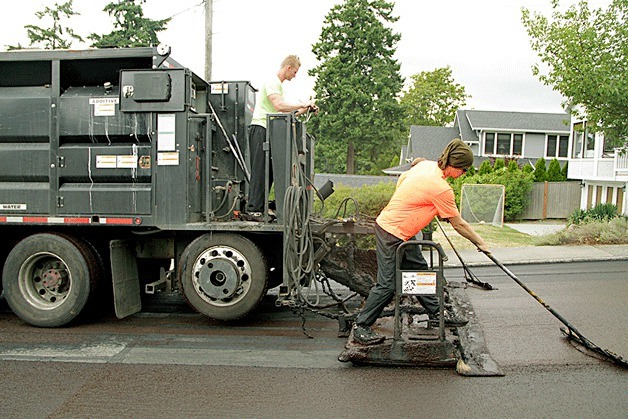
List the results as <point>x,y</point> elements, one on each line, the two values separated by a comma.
<point>116,162</point>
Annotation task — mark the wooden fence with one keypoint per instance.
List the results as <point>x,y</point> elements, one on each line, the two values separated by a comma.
<point>552,200</point>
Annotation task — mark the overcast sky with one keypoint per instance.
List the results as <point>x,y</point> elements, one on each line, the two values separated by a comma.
<point>483,41</point>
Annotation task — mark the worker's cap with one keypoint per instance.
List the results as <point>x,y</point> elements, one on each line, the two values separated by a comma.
<point>457,154</point>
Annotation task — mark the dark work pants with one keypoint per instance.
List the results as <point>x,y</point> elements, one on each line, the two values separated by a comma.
<point>381,294</point>
<point>257,137</point>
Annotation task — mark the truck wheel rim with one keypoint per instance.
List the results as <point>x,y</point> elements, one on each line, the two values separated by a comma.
<point>221,275</point>
<point>44,280</point>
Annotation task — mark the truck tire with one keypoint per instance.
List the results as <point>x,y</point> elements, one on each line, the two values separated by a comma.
<point>223,276</point>
<point>48,278</point>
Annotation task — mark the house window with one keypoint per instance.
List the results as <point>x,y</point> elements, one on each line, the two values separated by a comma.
<point>589,144</point>
<point>578,137</point>
<point>608,147</point>
<point>503,144</point>
<point>557,146</point>
<point>489,143</point>
<point>517,144</point>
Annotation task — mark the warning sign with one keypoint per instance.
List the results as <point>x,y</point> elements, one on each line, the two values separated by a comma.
<point>418,283</point>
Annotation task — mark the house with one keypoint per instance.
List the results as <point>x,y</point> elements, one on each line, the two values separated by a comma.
<point>602,168</point>
<point>525,136</point>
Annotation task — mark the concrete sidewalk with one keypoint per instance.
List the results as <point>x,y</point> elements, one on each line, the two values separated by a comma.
<point>538,254</point>
<point>536,229</point>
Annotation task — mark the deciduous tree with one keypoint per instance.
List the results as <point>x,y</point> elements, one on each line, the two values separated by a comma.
<point>433,98</point>
<point>584,56</point>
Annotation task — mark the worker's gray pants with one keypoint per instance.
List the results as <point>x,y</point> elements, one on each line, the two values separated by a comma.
<point>257,137</point>
<point>384,290</point>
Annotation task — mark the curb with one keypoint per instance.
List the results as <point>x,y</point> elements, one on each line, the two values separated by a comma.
<point>457,264</point>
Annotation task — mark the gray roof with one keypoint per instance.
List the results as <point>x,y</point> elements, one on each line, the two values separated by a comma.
<point>429,142</point>
<point>518,121</point>
<point>397,170</point>
<point>462,123</point>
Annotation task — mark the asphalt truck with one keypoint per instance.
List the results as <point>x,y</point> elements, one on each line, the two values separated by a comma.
<point>122,172</point>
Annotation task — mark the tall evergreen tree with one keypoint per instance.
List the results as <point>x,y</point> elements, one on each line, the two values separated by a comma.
<point>357,86</point>
<point>131,28</point>
<point>57,36</point>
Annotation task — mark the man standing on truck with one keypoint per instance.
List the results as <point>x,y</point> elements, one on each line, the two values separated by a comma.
<point>421,194</point>
<point>270,101</point>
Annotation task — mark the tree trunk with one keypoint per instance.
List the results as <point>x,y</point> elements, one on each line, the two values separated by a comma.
<point>350,159</point>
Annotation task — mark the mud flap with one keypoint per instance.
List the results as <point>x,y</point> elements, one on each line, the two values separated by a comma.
<point>126,283</point>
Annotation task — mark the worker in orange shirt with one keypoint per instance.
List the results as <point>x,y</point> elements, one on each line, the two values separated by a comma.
<point>421,194</point>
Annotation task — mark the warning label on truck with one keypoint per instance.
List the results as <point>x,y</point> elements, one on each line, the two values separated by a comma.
<point>168,159</point>
<point>104,106</point>
<point>13,207</point>
<point>116,162</point>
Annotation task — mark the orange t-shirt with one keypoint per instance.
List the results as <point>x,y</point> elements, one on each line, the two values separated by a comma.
<point>422,193</point>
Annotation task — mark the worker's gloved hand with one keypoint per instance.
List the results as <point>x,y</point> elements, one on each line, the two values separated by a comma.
<point>483,247</point>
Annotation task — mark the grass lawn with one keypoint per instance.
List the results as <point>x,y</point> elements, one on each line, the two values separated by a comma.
<point>494,236</point>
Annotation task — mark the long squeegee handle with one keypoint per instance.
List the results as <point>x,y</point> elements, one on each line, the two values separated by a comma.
<point>536,297</point>
<point>573,332</point>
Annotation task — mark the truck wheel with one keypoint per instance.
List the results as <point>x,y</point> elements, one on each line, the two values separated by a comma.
<point>48,278</point>
<point>223,276</point>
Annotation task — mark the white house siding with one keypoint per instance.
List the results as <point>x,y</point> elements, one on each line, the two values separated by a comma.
<point>604,179</point>
<point>534,145</point>
<point>594,193</point>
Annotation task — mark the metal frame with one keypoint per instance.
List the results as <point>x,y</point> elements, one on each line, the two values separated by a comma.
<point>440,286</point>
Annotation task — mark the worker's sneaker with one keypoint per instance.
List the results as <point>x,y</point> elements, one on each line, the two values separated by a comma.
<point>365,335</point>
<point>252,216</point>
<point>451,320</point>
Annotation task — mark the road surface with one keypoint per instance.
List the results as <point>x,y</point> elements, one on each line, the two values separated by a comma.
<point>170,362</point>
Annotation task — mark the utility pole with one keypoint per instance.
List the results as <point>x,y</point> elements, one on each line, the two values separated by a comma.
<point>209,12</point>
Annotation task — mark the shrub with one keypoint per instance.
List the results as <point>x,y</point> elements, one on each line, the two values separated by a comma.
<point>600,212</point>
<point>614,231</point>
<point>499,164</point>
<point>553,172</point>
<point>513,166</point>
<point>564,170</point>
<point>517,185</point>
<point>603,212</point>
<point>528,168</point>
<point>577,216</point>
<point>540,172</point>
<point>485,168</point>
<point>367,200</point>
